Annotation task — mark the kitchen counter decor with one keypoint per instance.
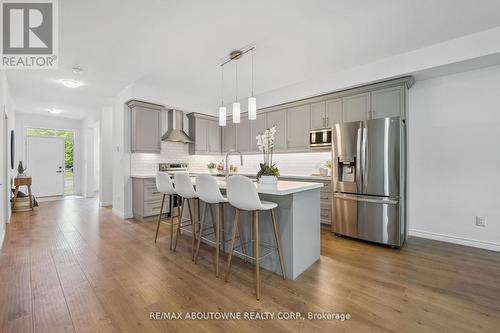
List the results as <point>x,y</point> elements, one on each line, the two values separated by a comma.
<point>268,173</point>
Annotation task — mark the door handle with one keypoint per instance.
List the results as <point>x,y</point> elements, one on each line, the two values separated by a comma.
<point>59,171</point>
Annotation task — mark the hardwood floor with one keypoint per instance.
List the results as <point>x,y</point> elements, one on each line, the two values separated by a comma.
<point>71,266</point>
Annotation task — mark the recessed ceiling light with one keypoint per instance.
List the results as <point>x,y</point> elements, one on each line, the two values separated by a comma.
<point>71,83</point>
<point>55,111</point>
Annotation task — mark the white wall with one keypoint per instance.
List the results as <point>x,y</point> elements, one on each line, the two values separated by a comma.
<point>5,104</point>
<point>106,159</point>
<point>25,120</point>
<point>454,158</point>
<point>90,130</point>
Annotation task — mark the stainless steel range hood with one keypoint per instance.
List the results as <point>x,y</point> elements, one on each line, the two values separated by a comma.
<point>175,130</point>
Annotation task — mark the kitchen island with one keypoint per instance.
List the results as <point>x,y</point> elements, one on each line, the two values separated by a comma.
<point>297,215</point>
<point>298,218</point>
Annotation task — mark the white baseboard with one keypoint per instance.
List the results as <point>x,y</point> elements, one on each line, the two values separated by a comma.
<point>121,214</point>
<point>456,240</point>
<point>2,237</point>
<point>118,212</point>
<point>106,203</point>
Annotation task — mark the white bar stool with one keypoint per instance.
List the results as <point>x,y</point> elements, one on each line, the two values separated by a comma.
<point>184,188</point>
<point>242,194</point>
<point>165,186</point>
<point>208,192</point>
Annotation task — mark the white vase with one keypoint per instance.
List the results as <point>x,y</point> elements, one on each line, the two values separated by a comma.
<point>268,180</point>
<point>211,170</point>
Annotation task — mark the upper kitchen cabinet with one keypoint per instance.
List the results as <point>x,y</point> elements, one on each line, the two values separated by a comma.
<point>326,113</point>
<point>333,112</point>
<point>387,102</point>
<point>278,118</point>
<point>146,127</point>
<point>356,107</point>
<point>257,126</point>
<point>214,137</point>
<point>318,115</point>
<point>228,136</point>
<point>205,133</point>
<point>243,143</point>
<point>298,127</point>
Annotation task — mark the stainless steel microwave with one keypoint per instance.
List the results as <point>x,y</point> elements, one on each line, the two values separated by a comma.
<point>320,138</point>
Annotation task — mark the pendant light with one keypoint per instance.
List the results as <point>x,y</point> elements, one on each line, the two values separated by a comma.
<point>252,101</point>
<point>222,108</point>
<point>236,104</point>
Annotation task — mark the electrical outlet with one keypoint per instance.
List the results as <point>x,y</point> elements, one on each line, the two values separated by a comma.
<point>481,221</point>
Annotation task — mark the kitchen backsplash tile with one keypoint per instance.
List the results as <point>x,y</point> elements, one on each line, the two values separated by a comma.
<point>174,152</point>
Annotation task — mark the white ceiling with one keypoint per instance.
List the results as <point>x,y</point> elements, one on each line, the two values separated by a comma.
<point>178,45</point>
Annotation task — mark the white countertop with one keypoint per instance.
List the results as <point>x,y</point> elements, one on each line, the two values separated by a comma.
<point>283,187</point>
<point>306,177</point>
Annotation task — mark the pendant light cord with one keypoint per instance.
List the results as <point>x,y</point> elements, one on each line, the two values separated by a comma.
<point>222,86</point>
<point>236,71</point>
<point>252,72</point>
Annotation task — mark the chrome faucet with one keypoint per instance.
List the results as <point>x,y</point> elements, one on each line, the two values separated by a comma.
<point>227,160</point>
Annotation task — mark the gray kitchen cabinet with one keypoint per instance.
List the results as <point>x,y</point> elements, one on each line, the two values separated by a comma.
<point>145,127</point>
<point>214,137</point>
<point>298,127</point>
<point>201,136</point>
<point>356,107</point>
<point>146,200</point>
<point>243,135</point>
<point>325,114</point>
<point>318,115</point>
<point>228,136</point>
<point>205,133</point>
<point>278,118</point>
<point>333,112</point>
<point>257,126</point>
<point>388,102</point>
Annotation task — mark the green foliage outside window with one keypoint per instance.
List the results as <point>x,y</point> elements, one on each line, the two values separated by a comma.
<point>68,141</point>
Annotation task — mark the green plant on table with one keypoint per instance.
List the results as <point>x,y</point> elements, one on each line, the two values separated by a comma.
<point>211,165</point>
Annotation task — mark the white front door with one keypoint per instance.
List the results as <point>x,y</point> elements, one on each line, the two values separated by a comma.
<point>45,164</point>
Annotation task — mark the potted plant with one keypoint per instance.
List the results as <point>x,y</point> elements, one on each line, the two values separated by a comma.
<point>328,165</point>
<point>220,167</point>
<point>211,167</point>
<point>268,173</point>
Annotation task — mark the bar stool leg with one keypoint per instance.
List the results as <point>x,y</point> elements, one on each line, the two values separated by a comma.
<point>193,230</point>
<point>231,247</point>
<point>278,244</point>
<point>203,216</point>
<point>171,210</point>
<point>256,253</point>
<point>159,217</point>
<point>216,225</point>
<point>180,221</point>
<point>242,240</point>
<point>223,227</point>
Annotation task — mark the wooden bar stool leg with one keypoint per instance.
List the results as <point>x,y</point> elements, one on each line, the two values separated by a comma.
<point>159,217</point>
<point>203,216</point>
<point>217,240</point>
<point>193,229</point>
<point>171,211</point>
<point>278,244</point>
<point>231,247</point>
<point>242,240</point>
<point>256,253</point>
<point>180,221</point>
<point>223,227</point>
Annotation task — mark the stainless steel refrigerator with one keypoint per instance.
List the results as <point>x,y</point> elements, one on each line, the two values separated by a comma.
<point>369,177</point>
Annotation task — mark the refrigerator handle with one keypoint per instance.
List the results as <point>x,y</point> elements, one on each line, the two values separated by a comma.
<point>364,141</point>
<point>359,158</point>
